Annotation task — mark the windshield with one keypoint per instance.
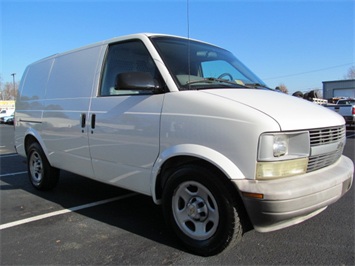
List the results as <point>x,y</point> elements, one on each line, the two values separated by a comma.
<point>196,65</point>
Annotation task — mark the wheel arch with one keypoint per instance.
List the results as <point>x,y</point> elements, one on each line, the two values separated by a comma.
<point>32,136</point>
<point>180,155</point>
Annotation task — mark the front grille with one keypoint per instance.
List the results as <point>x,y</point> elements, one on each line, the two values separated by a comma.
<point>324,137</point>
<point>324,160</point>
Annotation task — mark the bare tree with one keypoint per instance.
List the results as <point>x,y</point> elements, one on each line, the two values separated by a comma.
<point>282,87</point>
<point>351,73</point>
<point>7,90</point>
<point>1,97</point>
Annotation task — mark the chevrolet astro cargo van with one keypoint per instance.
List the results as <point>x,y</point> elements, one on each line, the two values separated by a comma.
<point>186,123</point>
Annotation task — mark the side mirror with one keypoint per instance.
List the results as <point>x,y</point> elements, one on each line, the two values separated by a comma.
<point>142,81</point>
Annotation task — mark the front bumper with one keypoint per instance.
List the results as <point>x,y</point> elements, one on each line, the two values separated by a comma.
<point>349,119</point>
<point>289,201</point>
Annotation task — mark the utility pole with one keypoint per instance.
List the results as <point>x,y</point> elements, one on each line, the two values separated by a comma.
<point>13,80</point>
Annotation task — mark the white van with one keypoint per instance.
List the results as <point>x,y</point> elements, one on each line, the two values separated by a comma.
<point>187,124</point>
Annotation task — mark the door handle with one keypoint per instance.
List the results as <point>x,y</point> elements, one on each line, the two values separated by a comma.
<point>83,121</point>
<point>93,122</point>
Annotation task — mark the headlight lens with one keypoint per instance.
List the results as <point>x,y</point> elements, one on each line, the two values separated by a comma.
<point>282,154</point>
<point>280,146</point>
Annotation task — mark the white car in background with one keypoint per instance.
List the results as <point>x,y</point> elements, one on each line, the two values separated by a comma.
<point>7,119</point>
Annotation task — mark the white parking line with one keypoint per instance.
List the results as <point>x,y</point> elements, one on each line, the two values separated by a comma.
<point>51,214</point>
<point>17,173</point>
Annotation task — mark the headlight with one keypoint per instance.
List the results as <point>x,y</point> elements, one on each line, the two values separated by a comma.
<point>280,146</point>
<point>282,154</point>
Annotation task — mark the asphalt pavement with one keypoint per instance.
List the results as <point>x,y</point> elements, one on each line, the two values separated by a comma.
<point>84,222</point>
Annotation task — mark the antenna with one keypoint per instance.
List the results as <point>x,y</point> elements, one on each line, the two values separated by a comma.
<point>188,18</point>
<point>188,37</point>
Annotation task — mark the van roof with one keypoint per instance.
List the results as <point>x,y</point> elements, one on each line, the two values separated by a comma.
<point>112,40</point>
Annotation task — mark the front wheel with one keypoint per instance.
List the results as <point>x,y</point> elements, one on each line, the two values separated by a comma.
<point>42,175</point>
<point>201,210</point>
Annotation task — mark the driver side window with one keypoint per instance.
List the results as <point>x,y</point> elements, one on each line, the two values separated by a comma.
<point>131,56</point>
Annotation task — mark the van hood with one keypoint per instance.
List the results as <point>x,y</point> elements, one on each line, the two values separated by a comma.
<point>291,113</point>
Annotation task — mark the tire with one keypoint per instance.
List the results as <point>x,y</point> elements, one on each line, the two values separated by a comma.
<point>201,211</point>
<point>42,175</point>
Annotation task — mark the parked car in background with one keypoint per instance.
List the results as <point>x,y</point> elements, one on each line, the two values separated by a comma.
<point>7,120</point>
<point>346,108</point>
<point>6,112</point>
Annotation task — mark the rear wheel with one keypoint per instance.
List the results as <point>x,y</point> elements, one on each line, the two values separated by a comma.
<point>201,210</point>
<point>42,175</point>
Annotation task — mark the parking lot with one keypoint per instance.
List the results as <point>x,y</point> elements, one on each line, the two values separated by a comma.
<point>85,222</point>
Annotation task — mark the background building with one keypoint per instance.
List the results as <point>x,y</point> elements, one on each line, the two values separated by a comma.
<point>339,88</point>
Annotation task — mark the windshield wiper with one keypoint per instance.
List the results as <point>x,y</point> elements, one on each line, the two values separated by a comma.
<point>215,80</point>
<point>256,85</point>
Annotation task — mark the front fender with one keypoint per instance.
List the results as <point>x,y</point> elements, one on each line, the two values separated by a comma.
<point>209,155</point>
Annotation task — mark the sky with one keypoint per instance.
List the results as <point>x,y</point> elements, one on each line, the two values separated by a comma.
<point>298,43</point>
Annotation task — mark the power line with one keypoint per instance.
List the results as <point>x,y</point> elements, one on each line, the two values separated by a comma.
<point>306,72</point>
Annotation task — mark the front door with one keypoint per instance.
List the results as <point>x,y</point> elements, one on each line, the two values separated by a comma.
<point>124,136</point>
